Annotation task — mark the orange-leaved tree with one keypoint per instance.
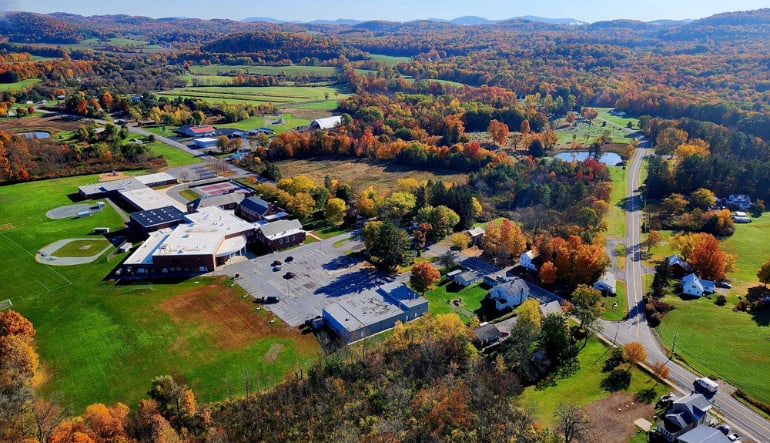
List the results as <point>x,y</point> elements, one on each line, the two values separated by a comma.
<point>424,275</point>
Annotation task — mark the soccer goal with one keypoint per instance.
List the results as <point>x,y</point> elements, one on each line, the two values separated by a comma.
<point>5,304</point>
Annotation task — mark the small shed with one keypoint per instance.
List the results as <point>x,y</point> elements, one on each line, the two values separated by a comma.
<point>82,214</point>
<point>606,283</point>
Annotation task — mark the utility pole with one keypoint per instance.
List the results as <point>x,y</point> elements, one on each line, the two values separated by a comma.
<point>673,345</point>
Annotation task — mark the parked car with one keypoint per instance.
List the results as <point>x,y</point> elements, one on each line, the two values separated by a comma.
<point>733,437</point>
<point>276,263</point>
<point>724,284</point>
<point>276,268</point>
<point>289,259</point>
<point>289,275</point>
<point>724,428</point>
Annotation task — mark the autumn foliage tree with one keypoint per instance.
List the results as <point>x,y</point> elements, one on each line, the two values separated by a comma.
<point>703,253</point>
<point>498,131</point>
<point>18,364</point>
<point>504,240</point>
<point>764,273</point>
<point>424,275</point>
<point>633,354</point>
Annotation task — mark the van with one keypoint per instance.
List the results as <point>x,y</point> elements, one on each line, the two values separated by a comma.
<point>707,384</point>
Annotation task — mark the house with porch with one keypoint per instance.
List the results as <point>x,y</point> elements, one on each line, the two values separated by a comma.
<point>510,294</point>
<point>685,414</point>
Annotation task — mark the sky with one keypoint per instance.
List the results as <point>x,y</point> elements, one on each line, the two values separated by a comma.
<point>395,10</point>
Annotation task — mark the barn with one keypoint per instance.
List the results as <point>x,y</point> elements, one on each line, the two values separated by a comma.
<point>326,123</point>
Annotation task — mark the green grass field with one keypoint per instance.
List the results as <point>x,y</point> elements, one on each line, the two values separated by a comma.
<point>291,71</point>
<point>101,342</point>
<point>720,342</point>
<point>604,113</point>
<point>18,86</point>
<point>440,299</point>
<point>750,257</point>
<point>616,216</point>
<point>82,248</point>
<point>257,95</point>
<point>582,388</point>
<point>387,59</point>
<point>174,157</point>
<point>619,312</point>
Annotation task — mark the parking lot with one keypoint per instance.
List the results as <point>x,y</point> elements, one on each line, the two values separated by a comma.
<point>322,274</point>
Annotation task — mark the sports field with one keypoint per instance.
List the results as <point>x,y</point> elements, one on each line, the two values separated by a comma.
<point>101,342</point>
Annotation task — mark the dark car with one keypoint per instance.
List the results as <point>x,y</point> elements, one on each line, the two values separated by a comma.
<point>276,268</point>
<point>289,259</point>
<point>724,284</point>
<point>276,263</point>
<point>289,275</point>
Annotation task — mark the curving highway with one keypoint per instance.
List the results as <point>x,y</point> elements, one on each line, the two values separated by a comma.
<point>749,424</point>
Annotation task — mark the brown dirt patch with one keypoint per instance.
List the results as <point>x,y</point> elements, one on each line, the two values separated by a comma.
<point>272,354</point>
<point>613,417</point>
<point>111,176</point>
<point>48,121</point>
<point>223,315</point>
<point>361,174</point>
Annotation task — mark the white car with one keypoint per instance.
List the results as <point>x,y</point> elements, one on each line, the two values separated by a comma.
<point>734,437</point>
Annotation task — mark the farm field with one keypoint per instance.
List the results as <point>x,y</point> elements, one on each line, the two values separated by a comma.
<point>19,85</point>
<point>616,216</point>
<point>387,59</point>
<point>361,174</point>
<point>277,95</point>
<point>584,133</point>
<point>750,257</point>
<point>104,342</point>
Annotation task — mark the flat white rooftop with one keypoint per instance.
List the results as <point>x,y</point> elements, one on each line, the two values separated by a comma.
<point>217,218</point>
<point>145,198</point>
<point>152,179</point>
<point>191,240</point>
<point>143,254</point>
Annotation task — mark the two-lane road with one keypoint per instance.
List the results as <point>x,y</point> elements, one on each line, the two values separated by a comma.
<point>745,421</point>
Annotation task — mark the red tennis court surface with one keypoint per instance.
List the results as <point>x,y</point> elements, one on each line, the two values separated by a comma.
<point>218,189</point>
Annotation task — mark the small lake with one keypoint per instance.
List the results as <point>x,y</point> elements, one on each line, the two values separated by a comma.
<point>608,158</point>
<point>35,134</point>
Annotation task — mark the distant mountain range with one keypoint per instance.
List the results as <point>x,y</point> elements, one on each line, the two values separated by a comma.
<point>467,20</point>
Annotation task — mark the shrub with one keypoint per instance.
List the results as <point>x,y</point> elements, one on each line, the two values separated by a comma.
<point>615,359</point>
<point>618,380</point>
<point>721,300</point>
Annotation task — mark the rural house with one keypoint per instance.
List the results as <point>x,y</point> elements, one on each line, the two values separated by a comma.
<point>509,294</point>
<point>552,307</point>
<point>685,414</point>
<point>703,434</point>
<point>476,235</point>
<point>695,287</point>
<point>606,283</point>
<point>678,265</point>
<point>486,334</point>
<point>530,260</point>
<point>739,201</point>
<point>466,278</point>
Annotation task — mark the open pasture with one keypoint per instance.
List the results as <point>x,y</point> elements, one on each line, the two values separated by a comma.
<point>361,174</point>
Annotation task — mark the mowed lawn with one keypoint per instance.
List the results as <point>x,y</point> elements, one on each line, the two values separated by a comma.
<point>720,342</point>
<point>102,342</point>
<point>583,387</point>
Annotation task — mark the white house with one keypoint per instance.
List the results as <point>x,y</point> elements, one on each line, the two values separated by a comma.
<point>509,294</point>
<point>691,285</point>
<point>606,283</point>
<point>694,286</point>
<point>467,278</point>
<point>529,260</point>
<point>477,235</point>
<point>739,201</point>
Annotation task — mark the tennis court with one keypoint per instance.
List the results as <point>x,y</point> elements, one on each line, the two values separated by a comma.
<point>221,188</point>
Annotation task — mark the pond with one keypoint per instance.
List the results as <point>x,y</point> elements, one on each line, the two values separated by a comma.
<point>35,134</point>
<point>608,158</point>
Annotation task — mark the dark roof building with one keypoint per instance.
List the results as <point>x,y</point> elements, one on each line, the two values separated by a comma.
<point>703,434</point>
<point>486,335</point>
<point>225,201</point>
<point>256,209</point>
<point>144,222</point>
